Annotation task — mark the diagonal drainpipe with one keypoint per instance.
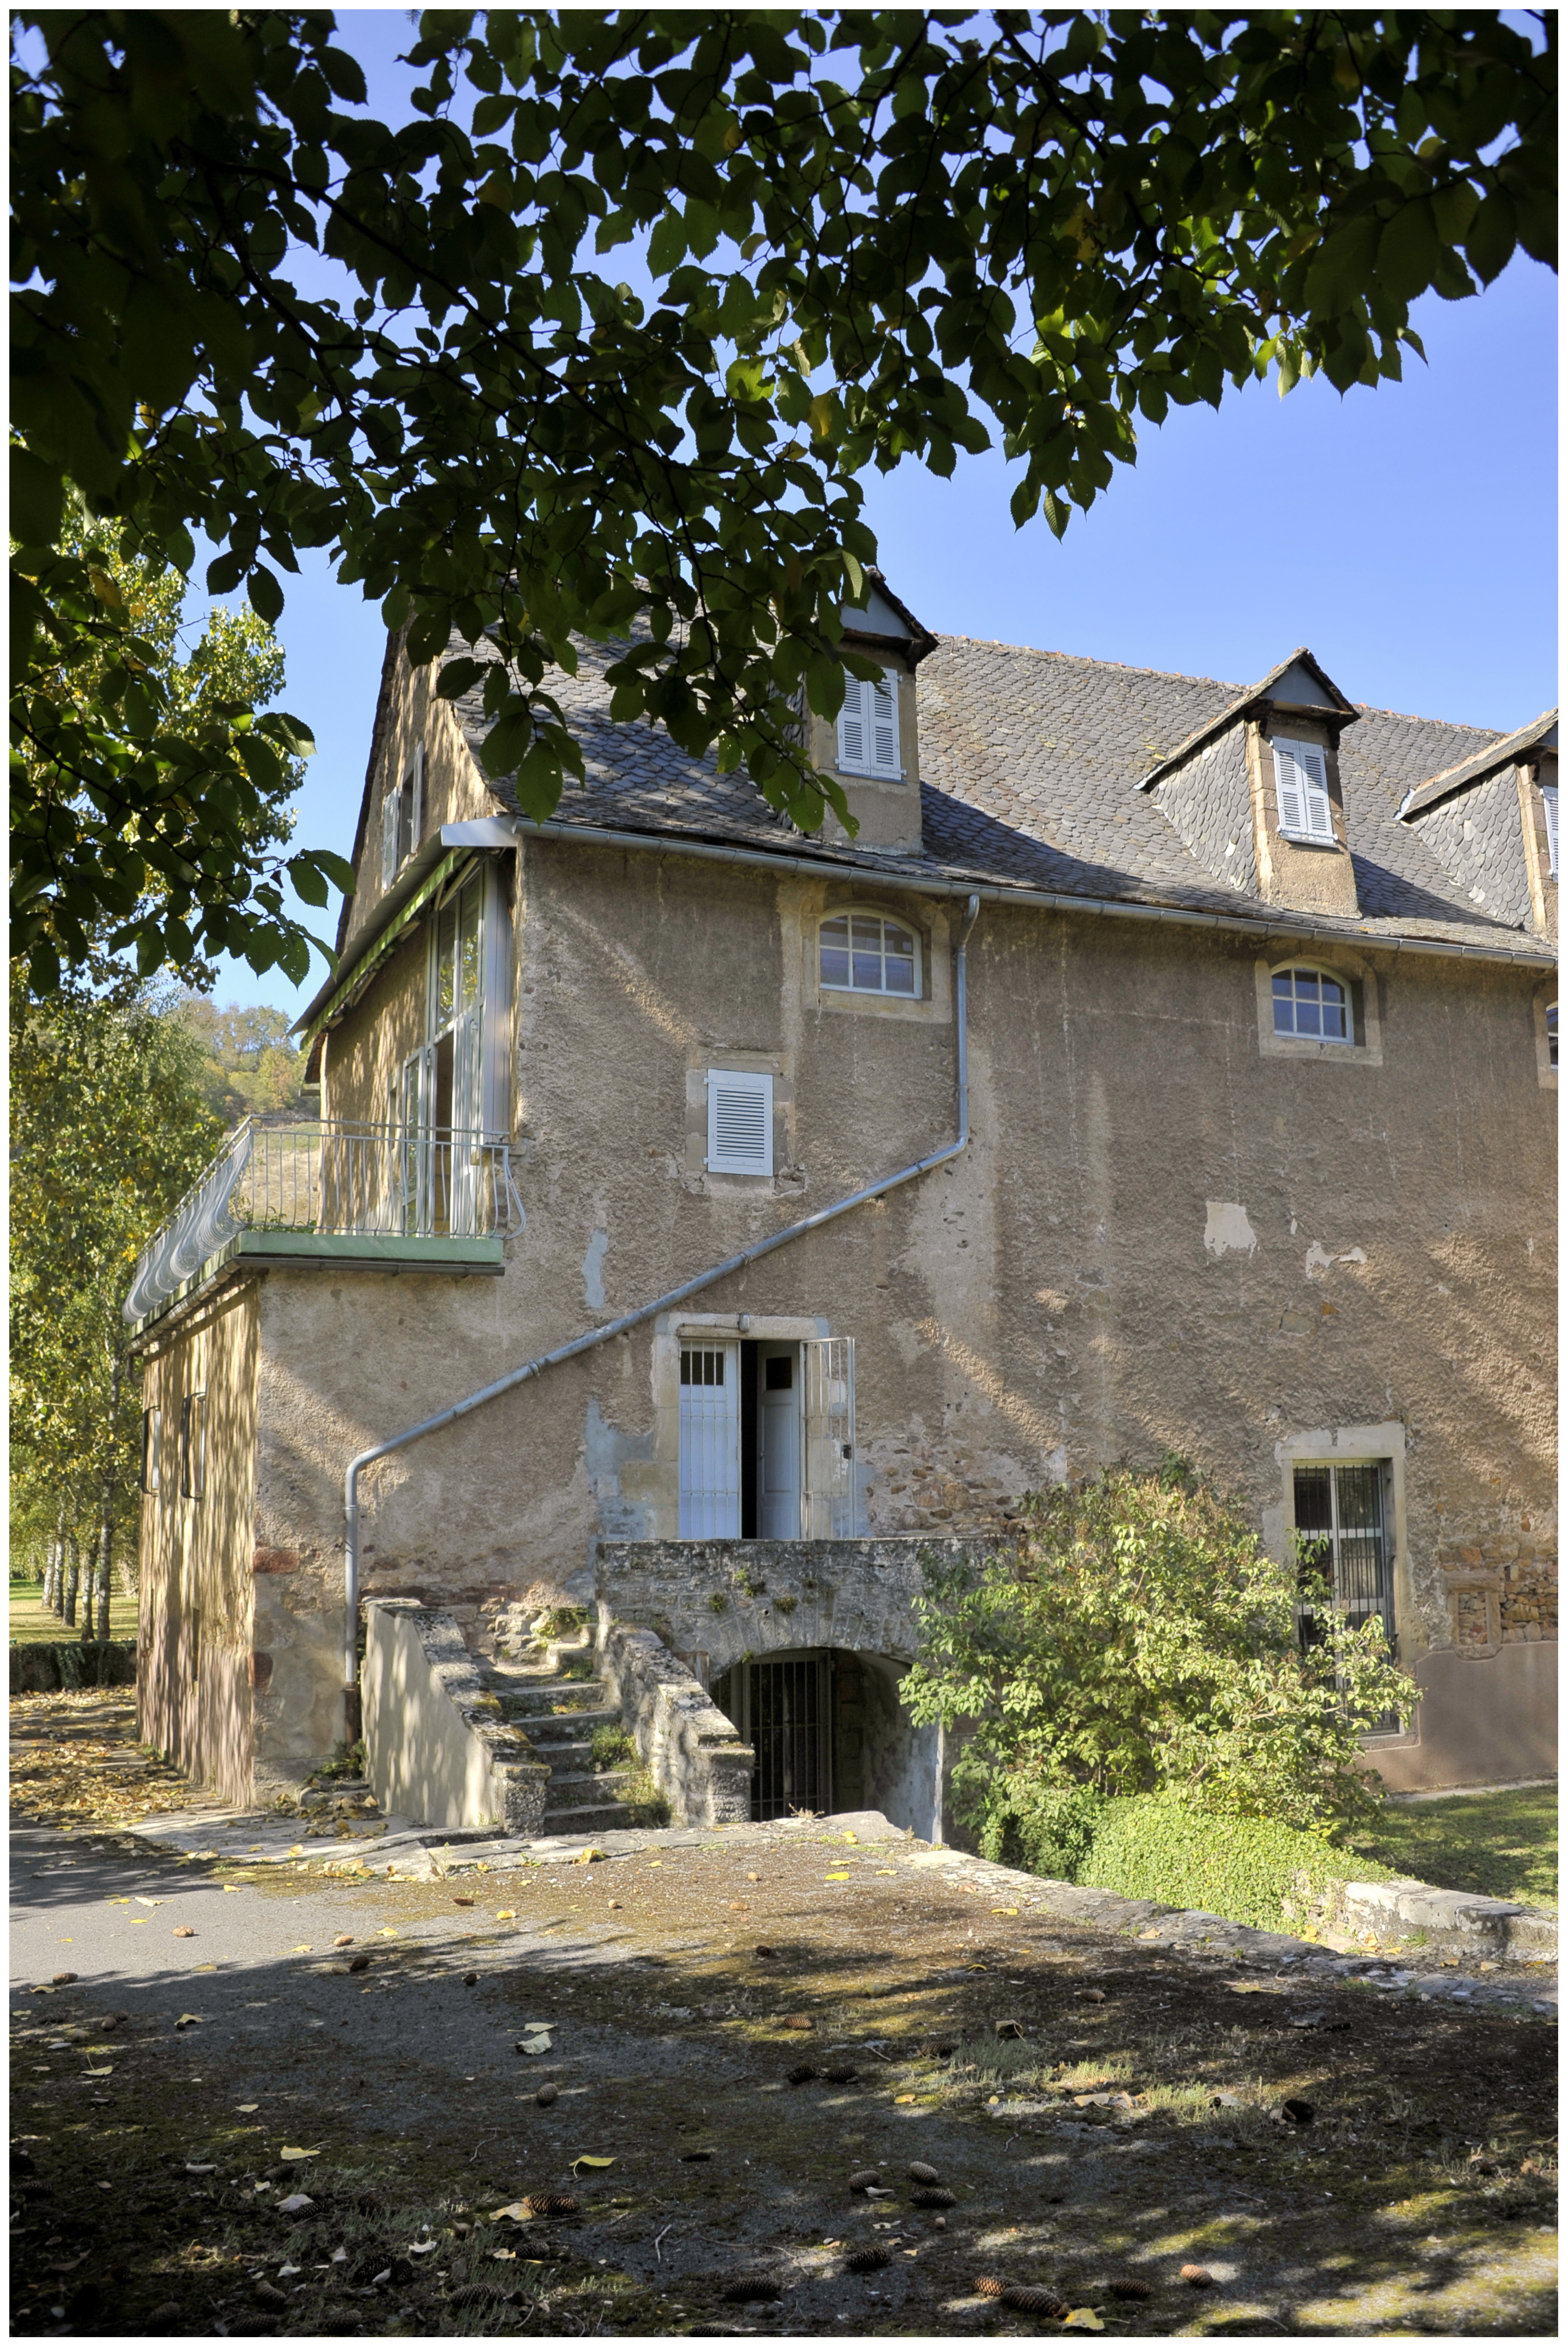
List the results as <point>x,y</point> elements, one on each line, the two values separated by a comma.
<point>878,1189</point>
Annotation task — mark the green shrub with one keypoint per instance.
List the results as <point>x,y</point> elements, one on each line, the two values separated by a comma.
<point>561,1621</point>
<point>1133,1639</point>
<point>1146,1848</point>
<point>612,1748</point>
<point>1044,1829</point>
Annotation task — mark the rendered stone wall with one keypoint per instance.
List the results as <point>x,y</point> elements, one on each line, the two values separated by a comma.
<point>692,1750</point>
<point>431,1753</point>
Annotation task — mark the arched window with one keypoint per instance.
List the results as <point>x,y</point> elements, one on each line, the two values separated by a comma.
<point>1309,1004</point>
<point>865,953</point>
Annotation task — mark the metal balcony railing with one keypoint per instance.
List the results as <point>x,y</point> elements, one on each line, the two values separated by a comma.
<point>332,1179</point>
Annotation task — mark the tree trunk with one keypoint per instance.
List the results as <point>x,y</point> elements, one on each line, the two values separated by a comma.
<point>106,1500</point>
<point>73,1579</point>
<point>57,1565</point>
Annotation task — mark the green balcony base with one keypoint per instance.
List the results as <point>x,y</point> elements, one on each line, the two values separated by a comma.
<point>435,1256</point>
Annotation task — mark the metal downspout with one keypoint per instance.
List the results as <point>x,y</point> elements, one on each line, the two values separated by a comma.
<point>352,1718</point>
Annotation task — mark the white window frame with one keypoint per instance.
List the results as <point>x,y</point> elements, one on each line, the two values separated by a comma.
<point>403,819</point>
<point>1312,969</point>
<point>852,913</point>
<point>1301,775</point>
<point>151,1449</point>
<point>728,1083</point>
<point>868,733</point>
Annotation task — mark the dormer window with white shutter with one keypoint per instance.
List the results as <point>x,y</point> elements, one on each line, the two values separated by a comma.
<point>1301,791</point>
<point>740,1122</point>
<point>869,730</point>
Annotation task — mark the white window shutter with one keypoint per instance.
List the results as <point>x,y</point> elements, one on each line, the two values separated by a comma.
<point>1314,767</point>
<point>390,810</point>
<point>1288,791</point>
<point>884,729</point>
<point>417,785</point>
<point>853,727</point>
<point>1549,805</point>
<point>740,1122</point>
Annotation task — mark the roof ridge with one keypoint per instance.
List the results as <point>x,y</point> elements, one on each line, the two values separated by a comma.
<point>1413,717</point>
<point>1087,660</point>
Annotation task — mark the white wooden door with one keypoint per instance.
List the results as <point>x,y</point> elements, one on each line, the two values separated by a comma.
<point>778,1442</point>
<point>710,1443</point>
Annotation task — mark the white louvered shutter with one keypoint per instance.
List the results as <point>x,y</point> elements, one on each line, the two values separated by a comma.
<point>854,726</point>
<point>416,826</point>
<point>884,729</point>
<point>390,810</point>
<point>740,1122</point>
<point>1549,805</point>
<point>1301,790</point>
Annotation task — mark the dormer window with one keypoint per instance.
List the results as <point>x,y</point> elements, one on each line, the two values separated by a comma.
<point>868,728</point>
<point>1301,791</point>
<point>864,953</point>
<point>1310,1005</point>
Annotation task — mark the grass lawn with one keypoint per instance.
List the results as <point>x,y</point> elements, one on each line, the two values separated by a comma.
<point>32,1625</point>
<point>1502,1845</point>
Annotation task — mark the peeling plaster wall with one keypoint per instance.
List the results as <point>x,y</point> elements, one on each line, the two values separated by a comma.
<point>1057,1298</point>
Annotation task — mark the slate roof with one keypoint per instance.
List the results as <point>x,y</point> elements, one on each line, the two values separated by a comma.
<point>1032,763</point>
<point>1498,751</point>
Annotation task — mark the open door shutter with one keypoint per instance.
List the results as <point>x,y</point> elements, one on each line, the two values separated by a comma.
<point>853,727</point>
<point>827,1498</point>
<point>710,1441</point>
<point>1549,805</point>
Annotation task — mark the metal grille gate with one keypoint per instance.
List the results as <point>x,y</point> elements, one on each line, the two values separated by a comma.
<point>788,1731</point>
<point>1341,1535</point>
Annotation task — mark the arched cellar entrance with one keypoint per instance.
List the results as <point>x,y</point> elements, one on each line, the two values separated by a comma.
<point>830,1734</point>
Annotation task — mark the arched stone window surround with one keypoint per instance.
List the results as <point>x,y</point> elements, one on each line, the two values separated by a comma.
<point>1348,969</point>
<point>927,921</point>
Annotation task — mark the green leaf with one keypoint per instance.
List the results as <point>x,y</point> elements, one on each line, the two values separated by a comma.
<point>266,595</point>
<point>457,678</point>
<point>37,496</point>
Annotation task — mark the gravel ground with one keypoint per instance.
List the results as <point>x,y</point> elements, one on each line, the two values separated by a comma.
<point>1136,2123</point>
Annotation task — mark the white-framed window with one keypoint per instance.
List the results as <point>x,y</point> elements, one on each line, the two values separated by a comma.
<point>866,953</point>
<point>403,820</point>
<point>151,1449</point>
<point>868,728</point>
<point>1310,1005</point>
<point>1548,806</point>
<point>740,1122</point>
<point>1301,791</point>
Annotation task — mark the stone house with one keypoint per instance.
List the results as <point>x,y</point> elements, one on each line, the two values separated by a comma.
<point>1188,1050</point>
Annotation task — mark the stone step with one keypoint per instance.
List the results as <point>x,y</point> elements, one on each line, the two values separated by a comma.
<point>596,1817</point>
<point>585,1789</point>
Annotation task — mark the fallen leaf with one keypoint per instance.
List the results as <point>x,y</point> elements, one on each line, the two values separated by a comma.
<point>421,2249</point>
<point>904,2098</point>
<point>188,2020</point>
<point>297,2151</point>
<point>200,2167</point>
<point>836,1878</point>
<point>228,1887</point>
<point>1083,2317</point>
<point>591,2160</point>
<point>100,2074</point>
<point>502,2257</point>
<point>505,1914</point>
<point>1004,1911</point>
<point>247,2106</point>
<point>147,1902</point>
<point>461,1900</point>
<point>518,2210</point>
<point>388,1932</point>
<point>296,2203</point>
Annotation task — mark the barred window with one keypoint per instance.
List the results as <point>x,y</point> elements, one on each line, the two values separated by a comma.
<point>1310,1004</point>
<point>702,1366</point>
<point>1342,1544</point>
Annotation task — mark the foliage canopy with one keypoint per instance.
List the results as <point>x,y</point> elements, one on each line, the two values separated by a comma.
<point>1134,1639</point>
<point>867,236</point>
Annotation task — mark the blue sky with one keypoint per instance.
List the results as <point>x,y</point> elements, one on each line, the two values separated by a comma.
<point>1407,534</point>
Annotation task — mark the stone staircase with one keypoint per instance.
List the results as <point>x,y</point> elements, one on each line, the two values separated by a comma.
<point>547,1684</point>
